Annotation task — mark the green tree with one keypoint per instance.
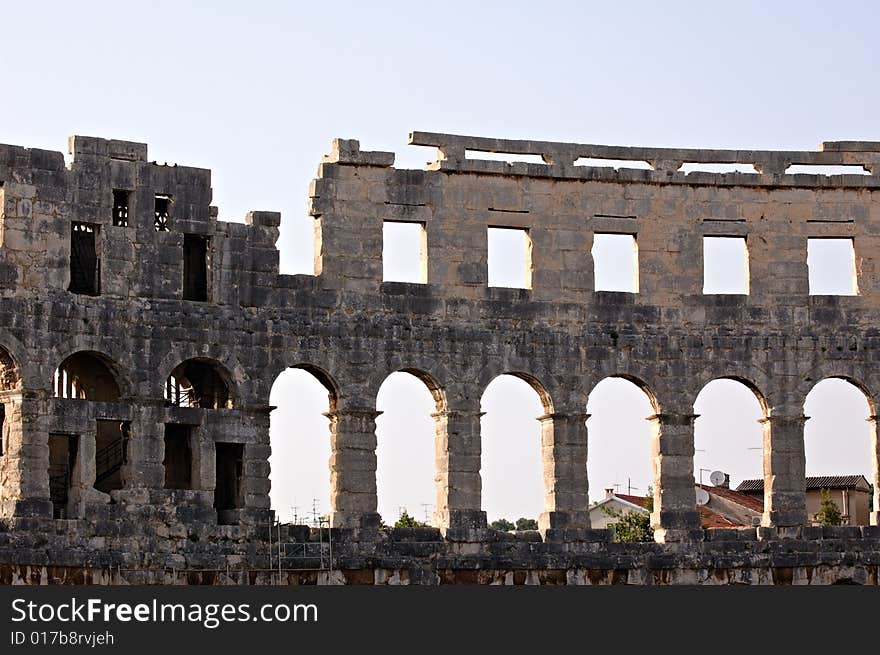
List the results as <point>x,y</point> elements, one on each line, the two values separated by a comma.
<point>407,521</point>
<point>828,513</point>
<point>523,523</point>
<point>502,525</point>
<point>633,526</point>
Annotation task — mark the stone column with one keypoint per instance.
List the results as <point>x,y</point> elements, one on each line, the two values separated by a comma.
<point>82,490</point>
<point>675,516</point>
<point>875,471</point>
<point>255,485</point>
<point>146,446</point>
<point>204,462</point>
<point>457,451</point>
<point>564,455</point>
<point>353,502</point>
<point>26,457</point>
<point>784,471</point>
<point>11,463</point>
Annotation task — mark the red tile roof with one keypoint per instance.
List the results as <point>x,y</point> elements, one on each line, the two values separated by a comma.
<point>744,500</point>
<point>708,518</point>
<point>635,500</point>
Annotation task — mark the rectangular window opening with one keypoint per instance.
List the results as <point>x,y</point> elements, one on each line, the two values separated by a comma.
<point>195,267</point>
<point>120,207</point>
<point>111,454</point>
<point>2,429</point>
<point>612,163</point>
<point>616,262</point>
<point>697,167</point>
<point>162,213</point>
<point>510,258</point>
<point>62,458</point>
<point>404,252</point>
<point>509,157</point>
<point>85,265</point>
<point>831,264</point>
<point>725,265</point>
<point>227,491</point>
<point>178,457</point>
<point>816,169</point>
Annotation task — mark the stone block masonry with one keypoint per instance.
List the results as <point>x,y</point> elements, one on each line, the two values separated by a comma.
<point>140,337</point>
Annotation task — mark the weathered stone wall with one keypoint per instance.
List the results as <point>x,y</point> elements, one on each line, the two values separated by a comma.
<point>351,330</point>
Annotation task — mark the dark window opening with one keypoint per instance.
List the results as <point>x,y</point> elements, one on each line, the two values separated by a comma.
<point>195,267</point>
<point>111,454</point>
<point>227,491</point>
<point>85,266</point>
<point>62,457</point>
<point>197,383</point>
<point>120,208</point>
<point>178,457</point>
<point>162,213</point>
<point>2,428</point>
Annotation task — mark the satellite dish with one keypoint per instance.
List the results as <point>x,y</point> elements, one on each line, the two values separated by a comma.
<point>702,495</point>
<point>717,478</point>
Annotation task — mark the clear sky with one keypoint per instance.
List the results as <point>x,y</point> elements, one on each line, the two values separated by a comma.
<point>256,92</point>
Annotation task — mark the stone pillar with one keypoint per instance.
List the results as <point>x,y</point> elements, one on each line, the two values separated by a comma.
<point>146,447</point>
<point>675,516</point>
<point>255,485</point>
<point>457,452</point>
<point>353,502</point>
<point>204,461</point>
<point>82,490</point>
<point>26,458</point>
<point>564,455</point>
<point>784,471</point>
<point>875,471</point>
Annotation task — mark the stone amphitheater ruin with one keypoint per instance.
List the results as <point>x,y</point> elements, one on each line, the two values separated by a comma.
<point>140,337</point>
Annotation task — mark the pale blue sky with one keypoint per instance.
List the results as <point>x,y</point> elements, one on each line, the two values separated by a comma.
<point>256,91</point>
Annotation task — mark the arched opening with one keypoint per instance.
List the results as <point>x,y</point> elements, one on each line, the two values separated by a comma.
<point>86,376</point>
<point>511,462</point>
<point>405,456</point>
<point>299,434</point>
<point>202,383</point>
<point>728,435</point>
<point>837,446</point>
<point>9,377</point>
<point>619,464</point>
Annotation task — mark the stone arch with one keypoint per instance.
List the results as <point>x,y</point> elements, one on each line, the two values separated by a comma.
<point>294,464</point>
<point>10,378</point>
<point>324,377</point>
<point>201,382</point>
<point>28,372</point>
<point>539,387</point>
<point>410,431</point>
<point>639,381</point>
<point>89,375</point>
<point>605,451</point>
<point>725,432</point>
<point>854,381</point>
<point>860,508</point>
<point>524,442</point>
<point>438,393</point>
<point>234,374</point>
<point>752,379</point>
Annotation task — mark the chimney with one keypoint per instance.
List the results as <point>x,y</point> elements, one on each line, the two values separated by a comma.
<point>726,483</point>
<point>609,493</point>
